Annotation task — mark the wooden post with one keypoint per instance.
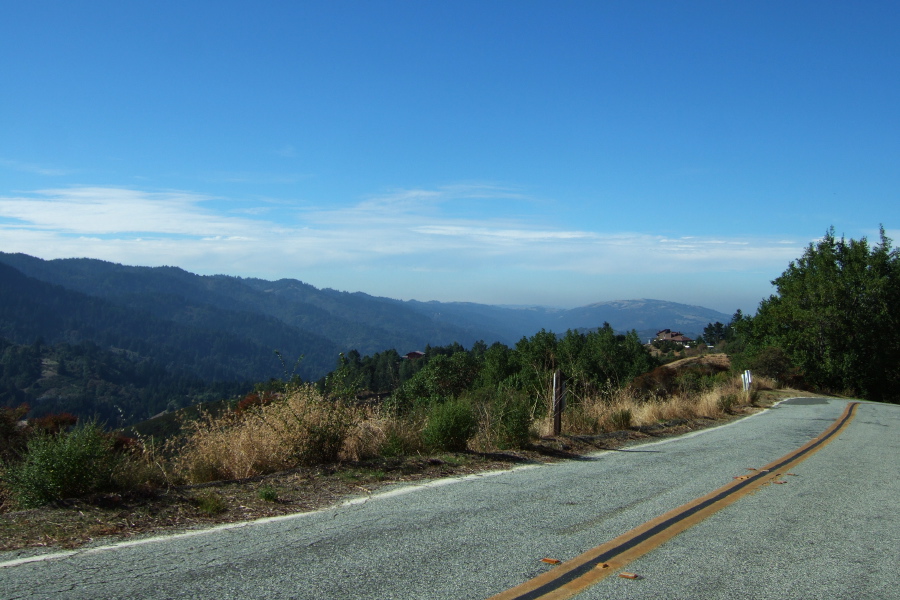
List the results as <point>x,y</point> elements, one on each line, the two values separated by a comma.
<point>557,402</point>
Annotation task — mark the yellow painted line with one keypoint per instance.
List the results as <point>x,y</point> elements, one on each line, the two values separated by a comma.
<point>574,576</point>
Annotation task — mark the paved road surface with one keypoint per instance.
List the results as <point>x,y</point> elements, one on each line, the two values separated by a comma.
<point>832,531</point>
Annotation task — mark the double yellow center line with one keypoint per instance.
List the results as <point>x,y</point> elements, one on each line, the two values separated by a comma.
<point>572,577</point>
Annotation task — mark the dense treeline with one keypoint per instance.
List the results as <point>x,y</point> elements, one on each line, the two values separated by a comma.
<point>833,323</point>
<point>591,361</point>
<point>116,387</point>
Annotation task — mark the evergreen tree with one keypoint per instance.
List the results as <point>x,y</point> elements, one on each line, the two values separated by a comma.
<point>836,315</point>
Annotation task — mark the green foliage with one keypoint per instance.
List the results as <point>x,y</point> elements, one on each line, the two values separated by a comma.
<point>346,381</point>
<point>66,465</point>
<point>268,493</point>
<point>507,415</point>
<point>588,360</point>
<point>772,361</point>
<point>714,333</point>
<point>836,315</point>
<point>210,503</point>
<point>450,426</point>
<point>498,364</point>
<point>514,415</point>
<point>443,377</point>
<point>400,443</point>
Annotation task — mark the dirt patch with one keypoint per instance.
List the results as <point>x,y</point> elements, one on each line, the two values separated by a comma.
<point>719,360</point>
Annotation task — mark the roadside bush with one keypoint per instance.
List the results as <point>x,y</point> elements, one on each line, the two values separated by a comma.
<point>504,417</point>
<point>66,465</point>
<point>141,465</point>
<point>450,425</point>
<point>513,417</point>
<point>267,493</point>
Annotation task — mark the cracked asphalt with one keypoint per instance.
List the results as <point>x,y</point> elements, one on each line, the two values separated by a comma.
<point>831,532</point>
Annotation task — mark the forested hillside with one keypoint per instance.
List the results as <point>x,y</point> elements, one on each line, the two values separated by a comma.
<point>117,387</point>
<point>207,343</point>
<point>253,307</point>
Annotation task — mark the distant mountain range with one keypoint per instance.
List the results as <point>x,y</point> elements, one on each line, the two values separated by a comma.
<point>223,328</point>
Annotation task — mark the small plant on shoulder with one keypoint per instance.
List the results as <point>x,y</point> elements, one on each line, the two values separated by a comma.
<point>268,493</point>
<point>210,503</point>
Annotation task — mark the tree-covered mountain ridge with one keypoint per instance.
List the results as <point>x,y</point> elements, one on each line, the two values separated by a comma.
<point>335,321</point>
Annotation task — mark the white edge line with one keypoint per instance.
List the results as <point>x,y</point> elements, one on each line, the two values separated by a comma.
<point>399,491</point>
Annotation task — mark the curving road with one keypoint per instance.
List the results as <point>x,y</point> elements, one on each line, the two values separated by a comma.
<point>831,531</point>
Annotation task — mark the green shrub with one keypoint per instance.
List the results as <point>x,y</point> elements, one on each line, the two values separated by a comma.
<point>513,413</point>
<point>66,465</point>
<point>450,425</point>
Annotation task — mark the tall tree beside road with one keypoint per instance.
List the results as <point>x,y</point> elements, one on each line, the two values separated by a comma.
<point>836,316</point>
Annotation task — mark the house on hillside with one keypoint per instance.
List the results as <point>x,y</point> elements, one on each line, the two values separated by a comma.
<point>667,335</point>
<point>414,355</point>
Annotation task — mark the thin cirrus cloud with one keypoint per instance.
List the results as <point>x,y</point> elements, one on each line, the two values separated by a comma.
<point>416,230</point>
<point>25,167</point>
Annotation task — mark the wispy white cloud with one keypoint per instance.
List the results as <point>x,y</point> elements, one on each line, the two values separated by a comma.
<point>419,230</point>
<point>102,211</point>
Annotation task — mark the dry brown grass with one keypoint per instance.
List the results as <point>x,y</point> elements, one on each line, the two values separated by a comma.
<point>384,433</point>
<point>301,428</point>
<point>624,408</point>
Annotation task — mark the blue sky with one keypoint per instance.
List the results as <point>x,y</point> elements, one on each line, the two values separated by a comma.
<point>552,153</point>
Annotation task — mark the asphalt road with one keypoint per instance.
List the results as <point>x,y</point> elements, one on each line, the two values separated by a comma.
<point>832,531</point>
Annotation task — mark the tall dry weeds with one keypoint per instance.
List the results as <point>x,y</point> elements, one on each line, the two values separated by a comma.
<point>622,408</point>
<point>301,428</point>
